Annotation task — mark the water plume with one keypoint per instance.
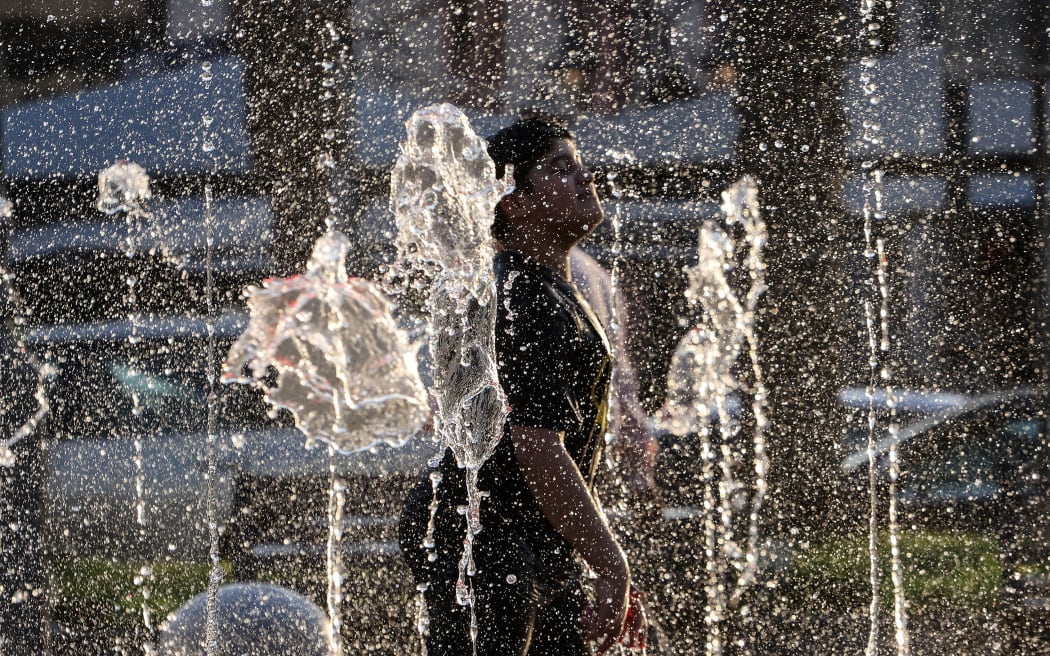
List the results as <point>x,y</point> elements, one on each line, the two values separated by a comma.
<point>443,190</point>
<point>123,189</point>
<point>703,385</point>
<point>345,369</point>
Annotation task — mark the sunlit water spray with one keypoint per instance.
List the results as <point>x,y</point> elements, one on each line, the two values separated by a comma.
<point>124,190</point>
<point>211,501</point>
<point>620,159</point>
<point>703,384</point>
<point>443,190</point>
<point>14,301</point>
<point>879,355</point>
<point>345,370</point>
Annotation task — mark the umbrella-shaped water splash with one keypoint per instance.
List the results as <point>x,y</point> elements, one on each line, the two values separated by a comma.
<point>344,368</point>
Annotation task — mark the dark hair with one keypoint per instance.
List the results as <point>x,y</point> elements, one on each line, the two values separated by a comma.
<point>522,144</point>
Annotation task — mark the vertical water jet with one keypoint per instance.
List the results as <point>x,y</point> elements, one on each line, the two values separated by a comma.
<point>443,190</point>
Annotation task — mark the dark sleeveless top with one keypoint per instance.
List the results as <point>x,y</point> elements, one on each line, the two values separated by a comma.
<point>554,365</point>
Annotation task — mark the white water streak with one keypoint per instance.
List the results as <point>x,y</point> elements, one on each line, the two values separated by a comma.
<point>879,354</point>
<point>873,489</point>
<point>745,210</point>
<point>215,574</point>
<point>702,380</point>
<point>900,617</point>
<point>333,552</point>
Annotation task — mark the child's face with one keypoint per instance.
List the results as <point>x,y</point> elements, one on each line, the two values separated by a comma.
<point>563,197</point>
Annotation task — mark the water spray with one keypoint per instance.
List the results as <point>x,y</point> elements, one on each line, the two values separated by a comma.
<point>702,384</point>
<point>123,189</point>
<point>44,372</point>
<point>443,188</point>
<point>879,356</point>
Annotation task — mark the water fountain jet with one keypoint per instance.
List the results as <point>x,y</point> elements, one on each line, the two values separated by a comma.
<point>703,383</point>
<point>443,189</point>
<point>344,370</point>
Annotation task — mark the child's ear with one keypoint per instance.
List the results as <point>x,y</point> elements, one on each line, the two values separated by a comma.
<point>511,204</point>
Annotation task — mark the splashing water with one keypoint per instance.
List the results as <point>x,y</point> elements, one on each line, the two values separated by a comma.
<point>123,189</point>
<point>44,372</point>
<point>443,188</point>
<point>702,388</point>
<point>740,204</point>
<point>344,369</point>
